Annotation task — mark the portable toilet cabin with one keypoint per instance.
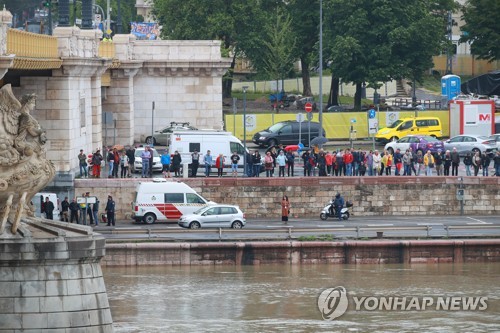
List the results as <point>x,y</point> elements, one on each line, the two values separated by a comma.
<point>450,87</point>
<point>472,117</point>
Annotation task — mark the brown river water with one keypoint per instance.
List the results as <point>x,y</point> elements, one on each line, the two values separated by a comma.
<point>284,298</point>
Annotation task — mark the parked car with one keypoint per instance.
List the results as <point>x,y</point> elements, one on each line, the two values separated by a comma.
<point>496,138</point>
<point>336,108</point>
<point>216,216</point>
<point>471,143</point>
<point>287,133</point>
<point>137,167</point>
<point>410,126</point>
<point>162,137</point>
<point>416,143</point>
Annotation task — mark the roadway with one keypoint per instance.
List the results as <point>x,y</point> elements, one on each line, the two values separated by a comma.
<point>314,228</point>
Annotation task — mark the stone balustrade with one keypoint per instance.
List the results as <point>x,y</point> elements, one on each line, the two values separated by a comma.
<point>372,196</point>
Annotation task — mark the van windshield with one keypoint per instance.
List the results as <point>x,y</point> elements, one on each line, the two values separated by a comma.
<point>276,128</point>
<point>395,124</point>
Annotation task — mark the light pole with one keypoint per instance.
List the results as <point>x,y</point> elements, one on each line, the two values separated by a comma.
<point>245,171</point>
<point>320,113</point>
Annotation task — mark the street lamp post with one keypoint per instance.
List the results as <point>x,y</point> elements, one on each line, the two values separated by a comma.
<point>245,171</point>
<point>320,113</point>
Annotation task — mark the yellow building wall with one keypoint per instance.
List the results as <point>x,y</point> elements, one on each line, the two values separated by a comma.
<point>336,125</point>
<point>465,65</point>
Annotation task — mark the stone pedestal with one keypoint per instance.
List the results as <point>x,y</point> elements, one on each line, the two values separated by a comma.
<point>51,279</point>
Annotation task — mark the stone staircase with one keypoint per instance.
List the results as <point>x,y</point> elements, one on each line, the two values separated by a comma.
<point>400,90</point>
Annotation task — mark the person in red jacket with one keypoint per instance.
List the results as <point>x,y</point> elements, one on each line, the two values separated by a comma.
<point>219,164</point>
<point>329,163</point>
<point>348,159</point>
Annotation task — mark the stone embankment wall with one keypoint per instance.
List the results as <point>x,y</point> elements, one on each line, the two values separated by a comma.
<point>348,252</point>
<point>372,196</point>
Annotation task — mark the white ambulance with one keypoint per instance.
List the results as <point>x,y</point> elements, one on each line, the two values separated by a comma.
<point>218,142</point>
<point>163,200</point>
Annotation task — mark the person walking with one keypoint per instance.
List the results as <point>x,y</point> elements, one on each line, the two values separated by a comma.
<point>285,208</point>
<point>82,162</point>
<point>165,163</point>
<point>208,161</point>
<point>74,208</point>
<point>110,211</point>
<point>145,156</point>
<point>195,163</point>
<point>48,207</point>
<point>65,210</point>
<point>219,164</point>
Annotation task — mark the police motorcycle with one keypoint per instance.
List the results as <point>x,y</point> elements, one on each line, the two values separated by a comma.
<point>325,213</point>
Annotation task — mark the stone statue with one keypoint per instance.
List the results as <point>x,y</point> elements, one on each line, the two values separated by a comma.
<point>24,169</point>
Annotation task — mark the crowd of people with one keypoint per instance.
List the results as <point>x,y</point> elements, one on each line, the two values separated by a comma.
<point>356,162</point>
<point>315,162</point>
<point>84,213</point>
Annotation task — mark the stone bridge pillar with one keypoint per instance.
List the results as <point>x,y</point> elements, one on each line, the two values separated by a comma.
<point>5,59</point>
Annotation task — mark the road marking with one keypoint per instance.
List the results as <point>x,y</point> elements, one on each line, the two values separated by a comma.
<point>279,226</point>
<point>380,225</point>
<point>429,224</point>
<point>477,221</point>
<point>330,226</point>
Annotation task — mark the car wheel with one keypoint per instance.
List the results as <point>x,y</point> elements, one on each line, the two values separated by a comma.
<point>149,218</point>
<point>390,150</point>
<point>323,216</point>
<point>194,225</point>
<point>150,141</point>
<point>272,143</point>
<point>237,225</point>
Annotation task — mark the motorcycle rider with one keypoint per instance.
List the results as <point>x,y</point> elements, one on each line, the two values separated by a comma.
<point>338,204</point>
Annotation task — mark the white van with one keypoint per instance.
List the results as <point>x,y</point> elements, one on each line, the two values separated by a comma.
<point>38,200</point>
<point>218,142</point>
<point>165,201</point>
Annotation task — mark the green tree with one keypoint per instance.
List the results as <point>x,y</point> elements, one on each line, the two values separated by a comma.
<point>236,23</point>
<point>305,26</point>
<point>482,28</point>
<point>277,59</point>
<point>377,40</point>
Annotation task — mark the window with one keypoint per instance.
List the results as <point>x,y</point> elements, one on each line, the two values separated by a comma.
<point>406,139</point>
<point>82,112</point>
<point>406,125</point>
<point>469,139</point>
<point>174,197</point>
<point>433,122</point>
<point>236,147</point>
<point>194,146</point>
<point>194,198</point>
<point>422,123</point>
<point>211,211</point>
<point>227,210</point>
<point>414,140</point>
<point>457,139</point>
<point>286,129</point>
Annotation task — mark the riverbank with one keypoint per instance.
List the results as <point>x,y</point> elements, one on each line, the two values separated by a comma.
<point>295,252</point>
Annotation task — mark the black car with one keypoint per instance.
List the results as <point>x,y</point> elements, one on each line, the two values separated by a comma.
<point>287,133</point>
